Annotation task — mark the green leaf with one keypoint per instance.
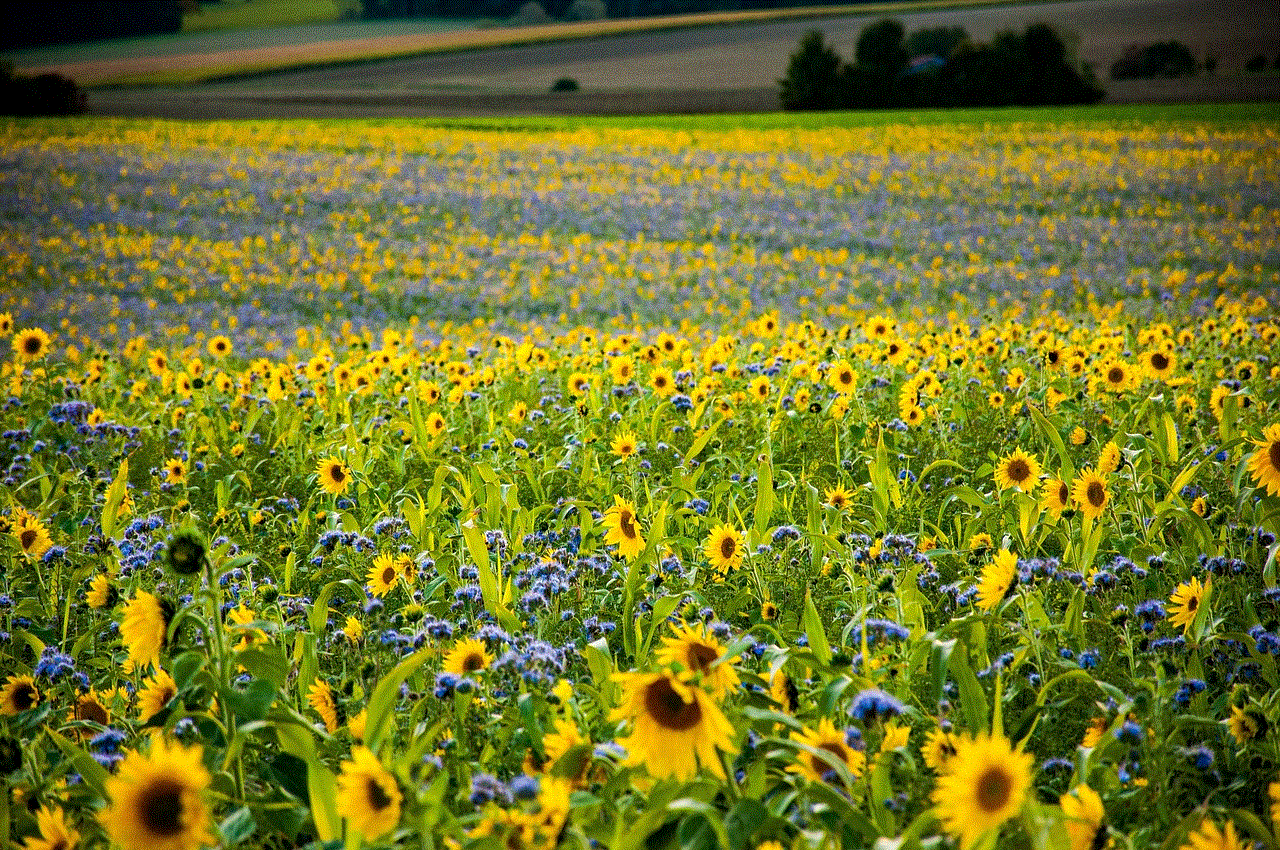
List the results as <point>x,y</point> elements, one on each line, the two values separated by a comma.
<point>743,820</point>
<point>973,701</point>
<point>764,494</point>
<point>939,663</point>
<point>253,702</point>
<point>237,827</point>
<point>814,629</point>
<point>93,774</point>
<point>115,497</point>
<point>267,664</point>
<point>386,695</point>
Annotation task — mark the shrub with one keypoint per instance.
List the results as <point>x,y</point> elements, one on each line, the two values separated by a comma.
<point>46,94</point>
<point>813,76</point>
<point>565,84</point>
<point>530,14</point>
<point>586,10</point>
<point>1163,59</point>
<point>1256,64</point>
<point>936,41</point>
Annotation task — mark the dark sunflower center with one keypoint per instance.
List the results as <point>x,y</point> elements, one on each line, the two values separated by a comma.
<point>701,657</point>
<point>1064,492</point>
<point>1096,494</point>
<point>24,696</point>
<point>660,381</point>
<point>1019,471</point>
<point>846,377</point>
<point>473,662</point>
<point>378,798</point>
<point>28,538</point>
<point>668,709</point>
<point>32,345</point>
<point>336,473</point>
<point>388,575</point>
<point>90,709</point>
<point>60,844</point>
<point>1273,454</point>
<point>1160,361</point>
<point>835,750</point>
<point>994,787</point>
<point>1192,604</point>
<point>1053,357</point>
<point>160,808</point>
<point>626,525</point>
<point>837,500</point>
<point>163,697</point>
<point>1115,375</point>
<point>727,547</point>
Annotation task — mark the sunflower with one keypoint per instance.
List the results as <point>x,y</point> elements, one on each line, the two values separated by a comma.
<point>320,698</point>
<point>55,833</point>
<point>6,323</point>
<point>985,786</point>
<point>219,346</point>
<point>1247,723</point>
<point>18,694</point>
<point>1158,363</point>
<point>621,371</point>
<point>724,549</point>
<point>467,657</point>
<point>579,384</point>
<point>382,574</point>
<point>436,424</point>
<point>1079,436</point>
<point>662,382</point>
<point>155,694</point>
<point>838,497</point>
<point>1090,493</point>
<point>1209,837</point>
<point>623,529</point>
<point>842,377</point>
<point>998,578</point>
<point>1264,464</point>
<point>157,799</point>
<point>91,707</point>
<point>1057,496</point>
<point>32,536</point>
<point>939,749</point>
<point>145,627</point>
<point>334,475</point>
<point>1186,600</point>
<point>175,471</point>
<point>676,725</point>
<point>239,619</point>
<point>831,741</point>
<point>102,592</point>
<point>624,445</point>
<point>1082,812</point>
<point>1273,791</point>
<point>1109,458</point>
<point>1017,469</point>
<point>760,388</point>
<point>697,650</point>
<point>30,344</point>
<point>768,611</point>
<point>784,692</point>
<point>368,796</point>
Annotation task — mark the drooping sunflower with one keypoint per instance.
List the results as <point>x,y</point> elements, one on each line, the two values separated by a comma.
<point>831,741</point>
<point>998,578</point>
<point>55,832</point>
<point>1017,469</point>
<point>32,536</point>
<point>622,528</point>
<point>334,475</point>
<point>1247,723</point>
<point>1208,837</point>
<point>30,344</point>
<point>1090,493</point>
<point>18,694</point>
<point>155,694</point>
<point>382,574</point>
<point>724,549</point>
<point>1264,464</point>
<point>695,649</point>
<point>1109,458</point>
<point>368,796</point>
<point>624,445</point>
<point>1186,601</point>
<point>1083,814</point>
<point>985,786</point>
<point>320,698</point>
<point>1057,496</point>
<point>676,725</point>
<point>157,799</point>
<point>144,628</point>
<point>467,656</point>
<point>784,692</point>
<point>939,749</point>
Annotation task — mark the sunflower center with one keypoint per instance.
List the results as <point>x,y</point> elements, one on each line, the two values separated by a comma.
<point>1273,454</point>
<point>1115,375</point>
<point>32,345</point>
<point>388,575</point>
<point>337,474</point>
<point>994,787</point>
<point>1192,604</point>
<point>160,808</point>
<point>846,377</point>
<point>1019,471</point>
<point>378,799</point>
<point>835,750</point>
<point>626,525</point>
<point>1064,492</point>
<point>473,662</point>
<point>28,538</point>
<point>665,705</point>
<point>90,709</point>
<point>727,547</point>
<point>24,696</point>
<point>1096,494</point>
<point>701,657</point>
<point>1159,360</point>
<point>660,381</point>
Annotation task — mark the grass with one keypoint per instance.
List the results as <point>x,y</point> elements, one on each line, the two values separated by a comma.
<point>260,14</point>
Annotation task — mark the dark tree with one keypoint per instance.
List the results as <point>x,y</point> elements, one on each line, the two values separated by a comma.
<point>813,76</point>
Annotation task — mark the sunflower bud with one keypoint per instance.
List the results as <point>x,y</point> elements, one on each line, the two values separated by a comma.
<point>185,552</point>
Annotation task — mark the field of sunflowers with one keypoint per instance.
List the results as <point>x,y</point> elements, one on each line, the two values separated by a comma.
<point>903,480</point>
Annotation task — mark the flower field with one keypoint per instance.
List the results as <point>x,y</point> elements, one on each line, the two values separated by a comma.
<point>668,484</point>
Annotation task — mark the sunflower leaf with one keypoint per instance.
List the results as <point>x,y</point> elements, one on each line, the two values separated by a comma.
<point>814,629</point>
<point>93,774</point>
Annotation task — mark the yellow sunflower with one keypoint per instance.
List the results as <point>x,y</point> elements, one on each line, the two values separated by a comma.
<point>55,832</point>
<point>1247,723</point>
<point>1186,601</point>
<point>334,475</point>
<point>467,657</point>
<point>368,796</point>
<point>579,384</point>
<point>985,786</point>
<point>1017,469</point>
<point>676,725</point>
<point>1083,814</point>
<point>92,707</point>
<point>32,536</point>
<point>695,649</point>
<point>30,344</point>
<point>18,694</point>
<point>1057,496</point>
<point>662,382</point>
<point>144,628</point>
<point>320,698</point>
<point>175,471</point>
<point>724,549</point>
<point>939,749</point>
<point>1209,837</point>
<point>155,694</point>
<point>1159,363</point>
<point>842,377</point>
<point>157,799</point>
<point>1109,458</point>
<point>784,692</point>
<point>1090,493</point>
<point>624,444</point>
<point>219,346</point>
<point>382,574</point>
<point>1264,464</point>
<point>838,497</point>
<point>831,741</point>
<point>998,578</point>
<point>622,528</point>
<point>102,593</point>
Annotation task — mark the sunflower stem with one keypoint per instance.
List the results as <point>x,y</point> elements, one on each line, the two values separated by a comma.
<point>731,781</point>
